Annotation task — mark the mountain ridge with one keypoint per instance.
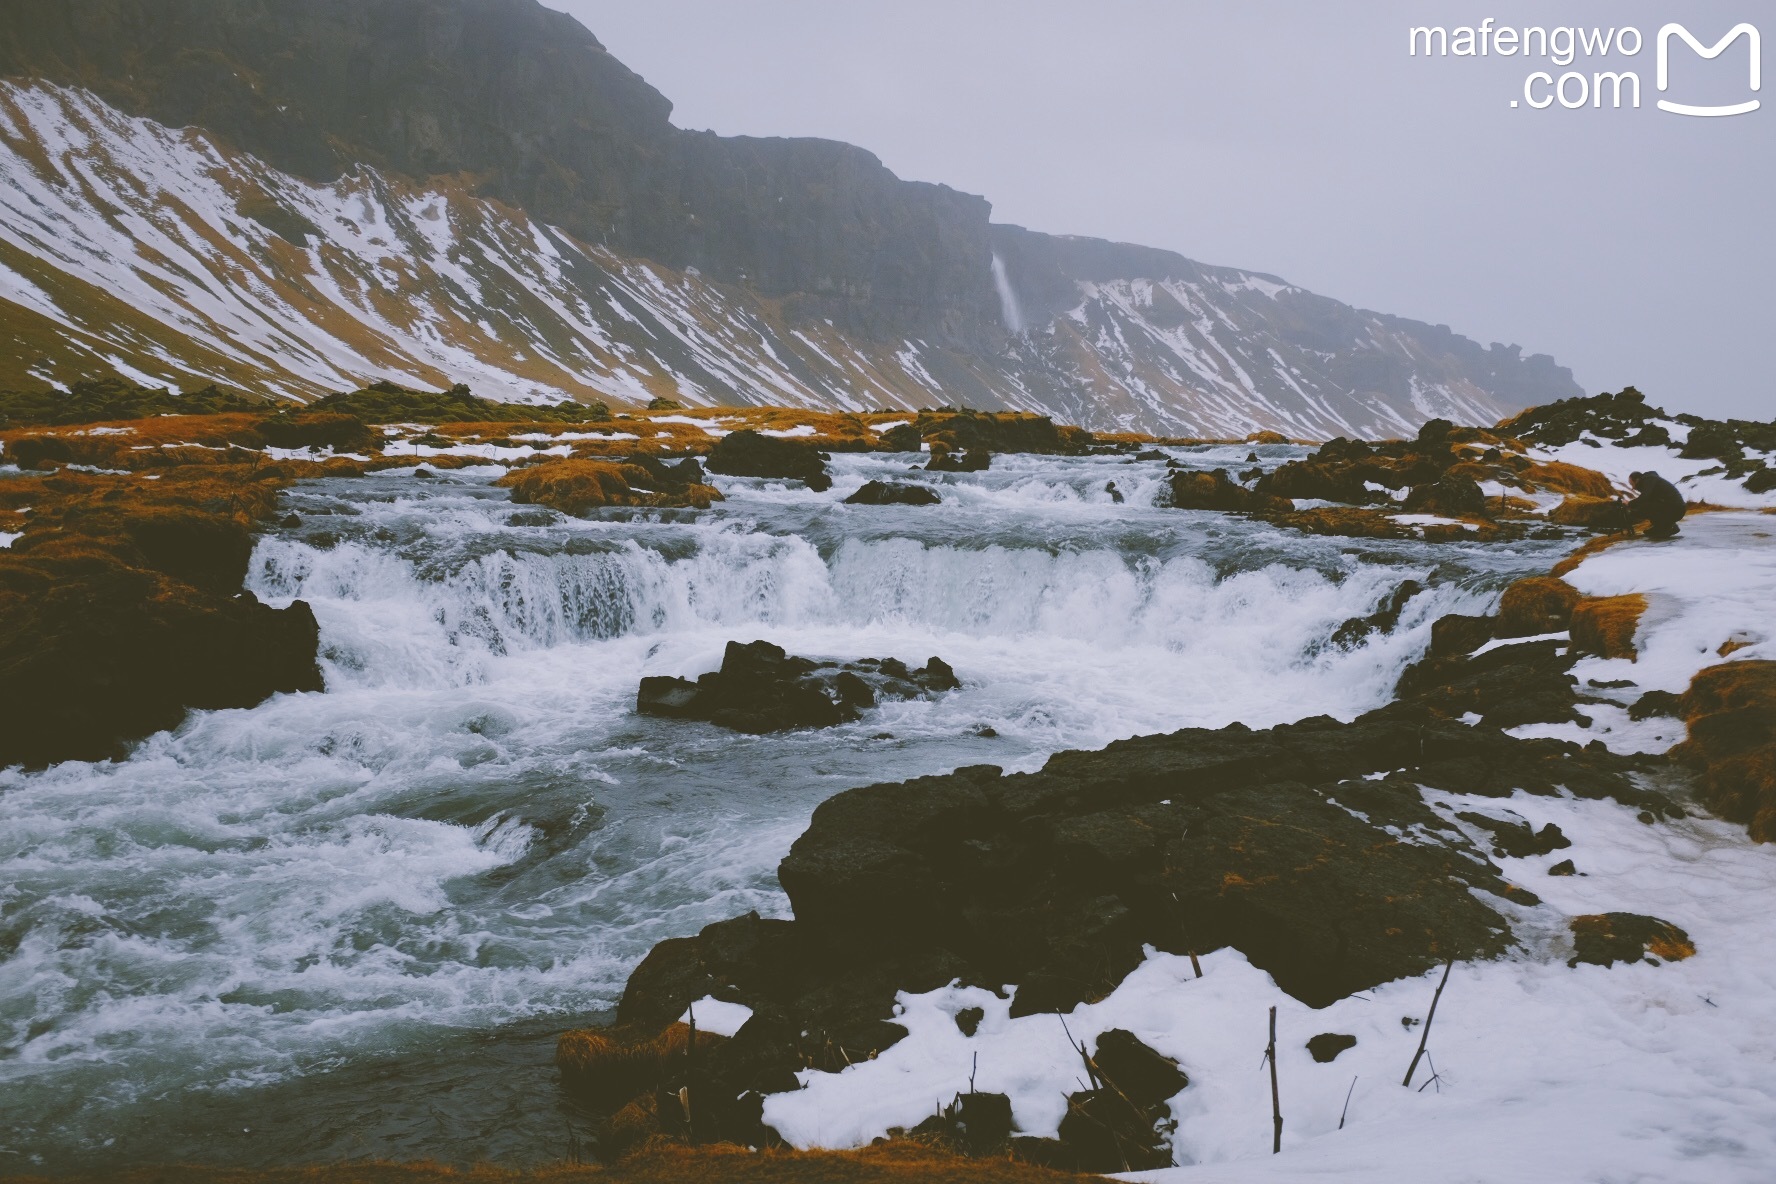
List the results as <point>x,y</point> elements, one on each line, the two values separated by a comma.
<point>740,270</point>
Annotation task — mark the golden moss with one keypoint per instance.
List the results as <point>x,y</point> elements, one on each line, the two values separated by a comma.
<point>1536,604</point>
<point>1605,625</point>
<point>652,1162</point>
<point>1560,477</point>
<point>1590,548</point>
<point>610,1067</point>
<point>575,486</point>
<point>1578,509</point>
<point>1730,710</point>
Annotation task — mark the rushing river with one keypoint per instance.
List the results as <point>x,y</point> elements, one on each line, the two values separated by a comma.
<point>351,923</point>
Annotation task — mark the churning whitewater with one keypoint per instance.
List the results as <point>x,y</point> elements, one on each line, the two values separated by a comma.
<point>468,840</point>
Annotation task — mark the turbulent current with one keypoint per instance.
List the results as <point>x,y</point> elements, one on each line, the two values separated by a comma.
<point>350,923</point>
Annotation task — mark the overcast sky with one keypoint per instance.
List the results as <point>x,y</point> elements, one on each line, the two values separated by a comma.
<point>1297,137</point>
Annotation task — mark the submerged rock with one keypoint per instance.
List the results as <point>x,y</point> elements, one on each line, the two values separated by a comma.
<point>748,453</point>
<point>760,688</point>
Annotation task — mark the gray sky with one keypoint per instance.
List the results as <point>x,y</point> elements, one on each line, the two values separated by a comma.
<point>1297,137</point>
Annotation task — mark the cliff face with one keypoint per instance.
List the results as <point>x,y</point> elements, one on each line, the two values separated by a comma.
<point>605,251</point>
<point>526,104</point>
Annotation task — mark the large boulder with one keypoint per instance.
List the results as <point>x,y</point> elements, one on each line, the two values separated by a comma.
<point>578,486</point>
<point>760,688</point>
<point>748,453</point>
<point>894,493</point>
<point>1452,496</point>
<point>1215,490</point>
<point>97,653</point>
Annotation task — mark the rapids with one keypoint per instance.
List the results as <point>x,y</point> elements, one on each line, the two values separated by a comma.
<point>351,923</point>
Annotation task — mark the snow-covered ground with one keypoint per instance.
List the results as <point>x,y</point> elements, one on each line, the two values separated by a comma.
<point>1542,1072</point>
<point>1701,479</point>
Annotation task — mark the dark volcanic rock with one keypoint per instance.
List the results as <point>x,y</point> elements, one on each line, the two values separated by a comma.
<point>1147,1078</point>
<point>1518,839</point>
<point>894,493</point>
<point>1054,880</point>
<point>1450,496</point>
<point>759,688</point>
<point>1383,620</point>
<point>98,654</point>
<point>752,454</point>
<point>1603,939</point>
<point>971,460</point>
<point>1214,490</point>
<point>961,429</point>
<point>1325,1047</point>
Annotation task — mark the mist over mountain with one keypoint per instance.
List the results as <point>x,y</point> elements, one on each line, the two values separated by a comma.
<point>307,194</point>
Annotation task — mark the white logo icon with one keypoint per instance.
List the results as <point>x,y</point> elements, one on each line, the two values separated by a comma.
<point>1714,51</point>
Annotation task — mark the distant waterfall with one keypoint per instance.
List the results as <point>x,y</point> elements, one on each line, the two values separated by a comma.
<point>1008,301</point>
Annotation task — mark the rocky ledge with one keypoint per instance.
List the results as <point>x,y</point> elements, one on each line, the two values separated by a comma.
<point>1310,847</point>
<point>759,688</point>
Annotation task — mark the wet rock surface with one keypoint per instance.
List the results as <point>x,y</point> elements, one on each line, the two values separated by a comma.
<point>1287,844</point>
<point>760,688</point>
<point>1215,490</point>
<point>894,493</point>
<point>748,453</point>
<point>962,430</point>
<point>123,608</point>
<point>579,486</point>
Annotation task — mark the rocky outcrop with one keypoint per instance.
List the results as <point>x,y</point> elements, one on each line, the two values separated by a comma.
<point>576,486</point>
<point>965,430</point>
<point>759,688</point>
<point>894,493</point>
<point>1627,419</point>
<point>1604,939</point>
<point>1215,490</point>
<point>1730,710</point>
<point>121,609</point>
<point>748,453</point>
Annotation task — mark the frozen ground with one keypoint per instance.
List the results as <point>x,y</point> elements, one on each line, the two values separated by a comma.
<point>1542,1072</point>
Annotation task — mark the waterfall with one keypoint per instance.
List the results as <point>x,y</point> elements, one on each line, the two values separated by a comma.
<point>1009,308</point>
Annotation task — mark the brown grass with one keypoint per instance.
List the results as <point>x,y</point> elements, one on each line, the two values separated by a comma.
<point>1560,477</point>
<point>891,1163</point>
<point>1581,510</point>
<point>1536,604</point>
<point>1605,625</point>
<point>1591,547</point>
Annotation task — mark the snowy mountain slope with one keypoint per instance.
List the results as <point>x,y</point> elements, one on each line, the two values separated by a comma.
<point>168,257</point>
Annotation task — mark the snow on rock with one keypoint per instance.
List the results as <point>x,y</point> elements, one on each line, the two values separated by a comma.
<point>1692,475</point>
<point>1713,584</point>
<point>1543,1072</point>
<point>716,1016</point>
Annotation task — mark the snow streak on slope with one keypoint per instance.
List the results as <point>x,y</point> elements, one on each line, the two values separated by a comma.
<point>167,258</point>
<point>1211,354</point>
